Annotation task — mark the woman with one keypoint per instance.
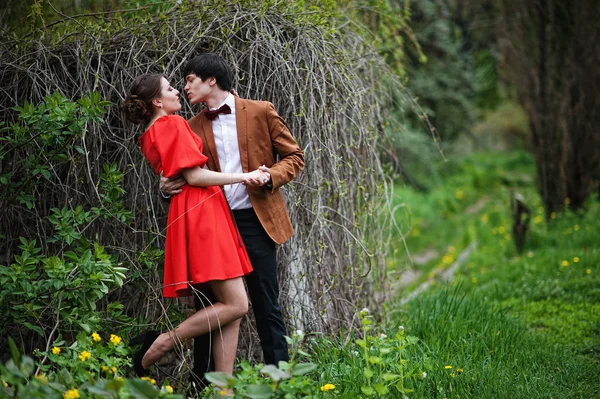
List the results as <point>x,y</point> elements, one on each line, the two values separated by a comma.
<point>202,243</point>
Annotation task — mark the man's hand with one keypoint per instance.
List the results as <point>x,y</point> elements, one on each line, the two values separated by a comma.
<point>262,176</point>
<point>171,185</point>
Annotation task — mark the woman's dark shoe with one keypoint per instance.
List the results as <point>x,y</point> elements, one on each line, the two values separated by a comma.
<point>147,338</point>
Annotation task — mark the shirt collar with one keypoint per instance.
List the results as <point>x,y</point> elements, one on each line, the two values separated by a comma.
<point>229,100</point>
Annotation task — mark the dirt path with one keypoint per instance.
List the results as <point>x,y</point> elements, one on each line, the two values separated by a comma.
<point>445,275</point>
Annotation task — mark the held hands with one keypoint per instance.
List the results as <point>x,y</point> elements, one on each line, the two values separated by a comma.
<point>258,178</point>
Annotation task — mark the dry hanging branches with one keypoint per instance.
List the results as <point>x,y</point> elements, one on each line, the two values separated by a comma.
<point>331,89</point>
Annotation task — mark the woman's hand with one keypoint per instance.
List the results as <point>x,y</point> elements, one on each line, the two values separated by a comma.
<point>257,178</point>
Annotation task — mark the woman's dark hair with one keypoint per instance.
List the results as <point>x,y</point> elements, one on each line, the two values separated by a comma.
<point>138,104</point>
<point>208,65</point>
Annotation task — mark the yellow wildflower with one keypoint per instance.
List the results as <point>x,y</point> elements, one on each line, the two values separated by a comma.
<point>565,263</point>
<point>55,350</point>
<point>150,380</point>
<point>113,369</point>
<point>589,271</point>
<point>447,259</point>
<point>71,394</point>
<point>223,392</point>
<point>327,387</point>
<point>85,355</point>
<point>115,339</point>
<point>459,370</point>
<point>4,383</point>
<point>169,389</point>
<point>104,369</point>
<point>530,254</point>
<point>448,367</point>
<point>474,280</point>
<point>485,218</point>
<point>459,194</point>
<point>501,229</point>
<point>42,378</point>
<point>96,337</point>
<point>538,219</point>
<point>576,260</point>
<point>576,227</point>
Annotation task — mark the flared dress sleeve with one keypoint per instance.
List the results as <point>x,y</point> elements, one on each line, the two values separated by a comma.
<point>178,146</point>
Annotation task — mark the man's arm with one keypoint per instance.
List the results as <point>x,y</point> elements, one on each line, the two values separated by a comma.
<point>291,157</point>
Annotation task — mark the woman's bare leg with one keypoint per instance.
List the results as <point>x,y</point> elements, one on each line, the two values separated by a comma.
<point>225,344</point>
<point>232,305</point>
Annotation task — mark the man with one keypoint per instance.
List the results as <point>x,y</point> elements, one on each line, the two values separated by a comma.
<point>241,135</point>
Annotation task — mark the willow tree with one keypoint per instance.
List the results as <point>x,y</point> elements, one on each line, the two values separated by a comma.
<point>328,84</point>
<point>552,51</point>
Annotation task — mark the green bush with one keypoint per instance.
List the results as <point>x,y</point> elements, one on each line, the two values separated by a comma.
<point>51,284</point>
<point>86,369</point>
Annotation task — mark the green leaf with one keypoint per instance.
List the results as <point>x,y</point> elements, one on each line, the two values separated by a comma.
<point>411,340</point>
<point>273,372</point>
<point>259,391</point>
<point>368,373</point>
<point>375,360</point>
<point>96,390</point>
<point>220,379</point>
<point>367,390</point>
<point>65,377</point>
<point>27,365</point>
<point>390,376</point>
<point>85,327</point>
<point>14,352</point>
<point>361,342</point>
<point>34,328</point>
<point>381,389</point>
<point>141,389</point>
<point>303,368</point>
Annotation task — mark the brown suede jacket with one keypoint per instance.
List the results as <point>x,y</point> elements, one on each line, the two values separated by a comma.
<point>264,139</point>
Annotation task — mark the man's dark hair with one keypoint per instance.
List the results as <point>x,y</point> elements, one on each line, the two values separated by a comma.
<point>208,65</point>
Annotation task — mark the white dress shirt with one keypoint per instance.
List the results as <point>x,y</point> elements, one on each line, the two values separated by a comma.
<point>228,150</point>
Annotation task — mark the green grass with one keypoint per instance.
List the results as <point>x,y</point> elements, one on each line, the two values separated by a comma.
<point>507,326</point>
<point>519,326</point>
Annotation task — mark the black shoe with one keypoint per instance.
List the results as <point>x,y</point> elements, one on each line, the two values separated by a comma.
<point>146,339</point>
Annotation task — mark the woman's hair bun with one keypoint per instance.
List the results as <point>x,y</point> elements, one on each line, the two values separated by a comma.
<point>136,110</point>
<point>138,104</point>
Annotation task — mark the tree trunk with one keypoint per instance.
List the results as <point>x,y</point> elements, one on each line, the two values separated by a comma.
<point>550,50</point>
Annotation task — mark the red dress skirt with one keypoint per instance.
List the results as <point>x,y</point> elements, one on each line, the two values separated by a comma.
<point>203,243</point>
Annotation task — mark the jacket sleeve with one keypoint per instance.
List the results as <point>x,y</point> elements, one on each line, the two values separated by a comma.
<point>291,157</point>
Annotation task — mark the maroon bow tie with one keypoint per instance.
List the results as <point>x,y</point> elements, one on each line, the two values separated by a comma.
<point>212,114</point>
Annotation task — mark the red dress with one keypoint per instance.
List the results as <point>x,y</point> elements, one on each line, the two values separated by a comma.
<point>203,243</point>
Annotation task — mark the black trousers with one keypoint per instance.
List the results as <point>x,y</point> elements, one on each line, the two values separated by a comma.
<point>263,289</point>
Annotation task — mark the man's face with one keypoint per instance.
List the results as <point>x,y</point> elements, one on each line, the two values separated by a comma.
<point>198,90</point>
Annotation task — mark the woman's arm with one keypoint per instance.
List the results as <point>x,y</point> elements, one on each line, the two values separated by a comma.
<point>204,177</point>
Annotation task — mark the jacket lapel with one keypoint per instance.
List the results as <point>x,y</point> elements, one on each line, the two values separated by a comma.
<point>241,121</point>
<point>209,141</point>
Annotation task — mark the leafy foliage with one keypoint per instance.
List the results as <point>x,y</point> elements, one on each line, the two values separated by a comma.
<point>53,286</point>
<point>86,369</point>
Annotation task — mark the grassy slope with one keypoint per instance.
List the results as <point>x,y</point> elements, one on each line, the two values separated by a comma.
<point>521,327</point>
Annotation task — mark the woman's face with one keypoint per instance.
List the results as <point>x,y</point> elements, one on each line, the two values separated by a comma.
<point>169,97</point>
